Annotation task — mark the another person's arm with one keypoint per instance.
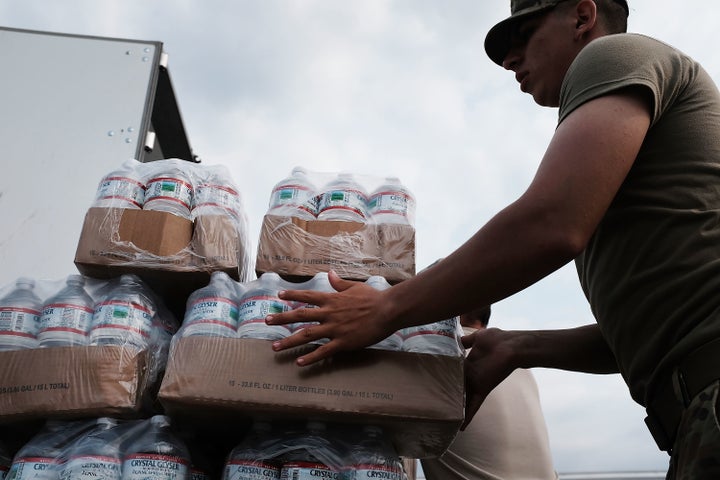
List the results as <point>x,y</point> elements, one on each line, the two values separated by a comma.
<point>496,353</point>
<point>548,226</point>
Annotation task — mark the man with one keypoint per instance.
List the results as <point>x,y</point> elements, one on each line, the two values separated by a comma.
<point>628,188</point>
<point>507,438</point>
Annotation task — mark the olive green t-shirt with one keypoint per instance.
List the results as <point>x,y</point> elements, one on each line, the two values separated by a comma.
<point>651,270</point>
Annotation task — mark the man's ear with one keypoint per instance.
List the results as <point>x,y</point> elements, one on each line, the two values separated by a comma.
<point>586,17</point>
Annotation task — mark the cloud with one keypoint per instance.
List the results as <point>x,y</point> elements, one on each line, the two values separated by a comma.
<point>383,87</point>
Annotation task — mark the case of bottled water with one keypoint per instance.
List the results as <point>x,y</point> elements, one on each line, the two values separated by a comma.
<point>41,318</point>
<point>355,233</point>
<point>104,449</point>
<point>208,231</point>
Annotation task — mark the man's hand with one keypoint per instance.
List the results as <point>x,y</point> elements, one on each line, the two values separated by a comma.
<point>490,361</point>
<point>351,319</point>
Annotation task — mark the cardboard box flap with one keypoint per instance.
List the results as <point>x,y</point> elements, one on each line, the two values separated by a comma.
<point>155,232</point>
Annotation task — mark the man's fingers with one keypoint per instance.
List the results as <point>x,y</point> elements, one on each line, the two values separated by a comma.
<point>298,315</point>
<point>322,352</point>
<point>312,297</point>
<point>308,334</point>
<point>338,283</point>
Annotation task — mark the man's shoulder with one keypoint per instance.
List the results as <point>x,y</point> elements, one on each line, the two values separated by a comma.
<point>626,46</point>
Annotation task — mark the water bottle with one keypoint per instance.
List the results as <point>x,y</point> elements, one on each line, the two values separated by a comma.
<point>124,316</point>
<point>213,310</point>
<point>217,195</point>
<point>170,190</point>
<point>121,188</point>
<point>259,301</point>
<point>254,458</point>
<point>343,199</point>
<point>5,462</point>
<point>40,458</point>
<point>395,340</point>
<point>294,196</point>
<point>312,456</point>
<point>157,453</point>
<point>20,316</point>
<point>372,457</point>
<point>95,455</point>
<point>438,338</point>
<point>391,202</point>
<point>66,316</point>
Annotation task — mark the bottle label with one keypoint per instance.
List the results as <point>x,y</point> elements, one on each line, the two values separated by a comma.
<point>66,317</point>
<point>213,310</point>
<point>250,470</point>
<point>128,321</point>
<point>390,203</point>
<point>382,472</point>
<point>350,200</point>
<point>293,196</point>
<point>91,466</point>
<point>141,466</point>
<point>435,338</point>
<point>23,322</point>
<point>307,471</point>
<point>199,475</point>
<point>33,468</point>
<point>252,313</point>
<point>173,190</point>
<point>211,198</point>
<point>120,191</point>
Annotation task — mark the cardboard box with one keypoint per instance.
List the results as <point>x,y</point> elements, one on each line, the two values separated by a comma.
<point>69,382</point>
<point>417,398</point>
<point>298,249</point>
<point>159,248</point>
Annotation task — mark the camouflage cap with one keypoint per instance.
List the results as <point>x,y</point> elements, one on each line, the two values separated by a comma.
<point>497,41</point>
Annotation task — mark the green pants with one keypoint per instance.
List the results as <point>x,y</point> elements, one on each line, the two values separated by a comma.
<point>696,452</point>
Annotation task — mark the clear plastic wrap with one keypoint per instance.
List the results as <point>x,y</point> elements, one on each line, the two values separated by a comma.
<point>355,233</point>
<point>111,364</point>
<point>103,449</point>
<point>315,449</point>
<point>192,220</point>
<point>107,448</point>
<point>416,397</point>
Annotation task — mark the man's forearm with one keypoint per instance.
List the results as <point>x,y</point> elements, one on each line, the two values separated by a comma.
<point>581,349</point>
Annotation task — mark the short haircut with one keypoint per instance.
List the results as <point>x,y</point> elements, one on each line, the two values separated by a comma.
<point>479,315</point>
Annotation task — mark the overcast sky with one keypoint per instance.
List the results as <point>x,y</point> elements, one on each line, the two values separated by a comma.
<point>389,87</point>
